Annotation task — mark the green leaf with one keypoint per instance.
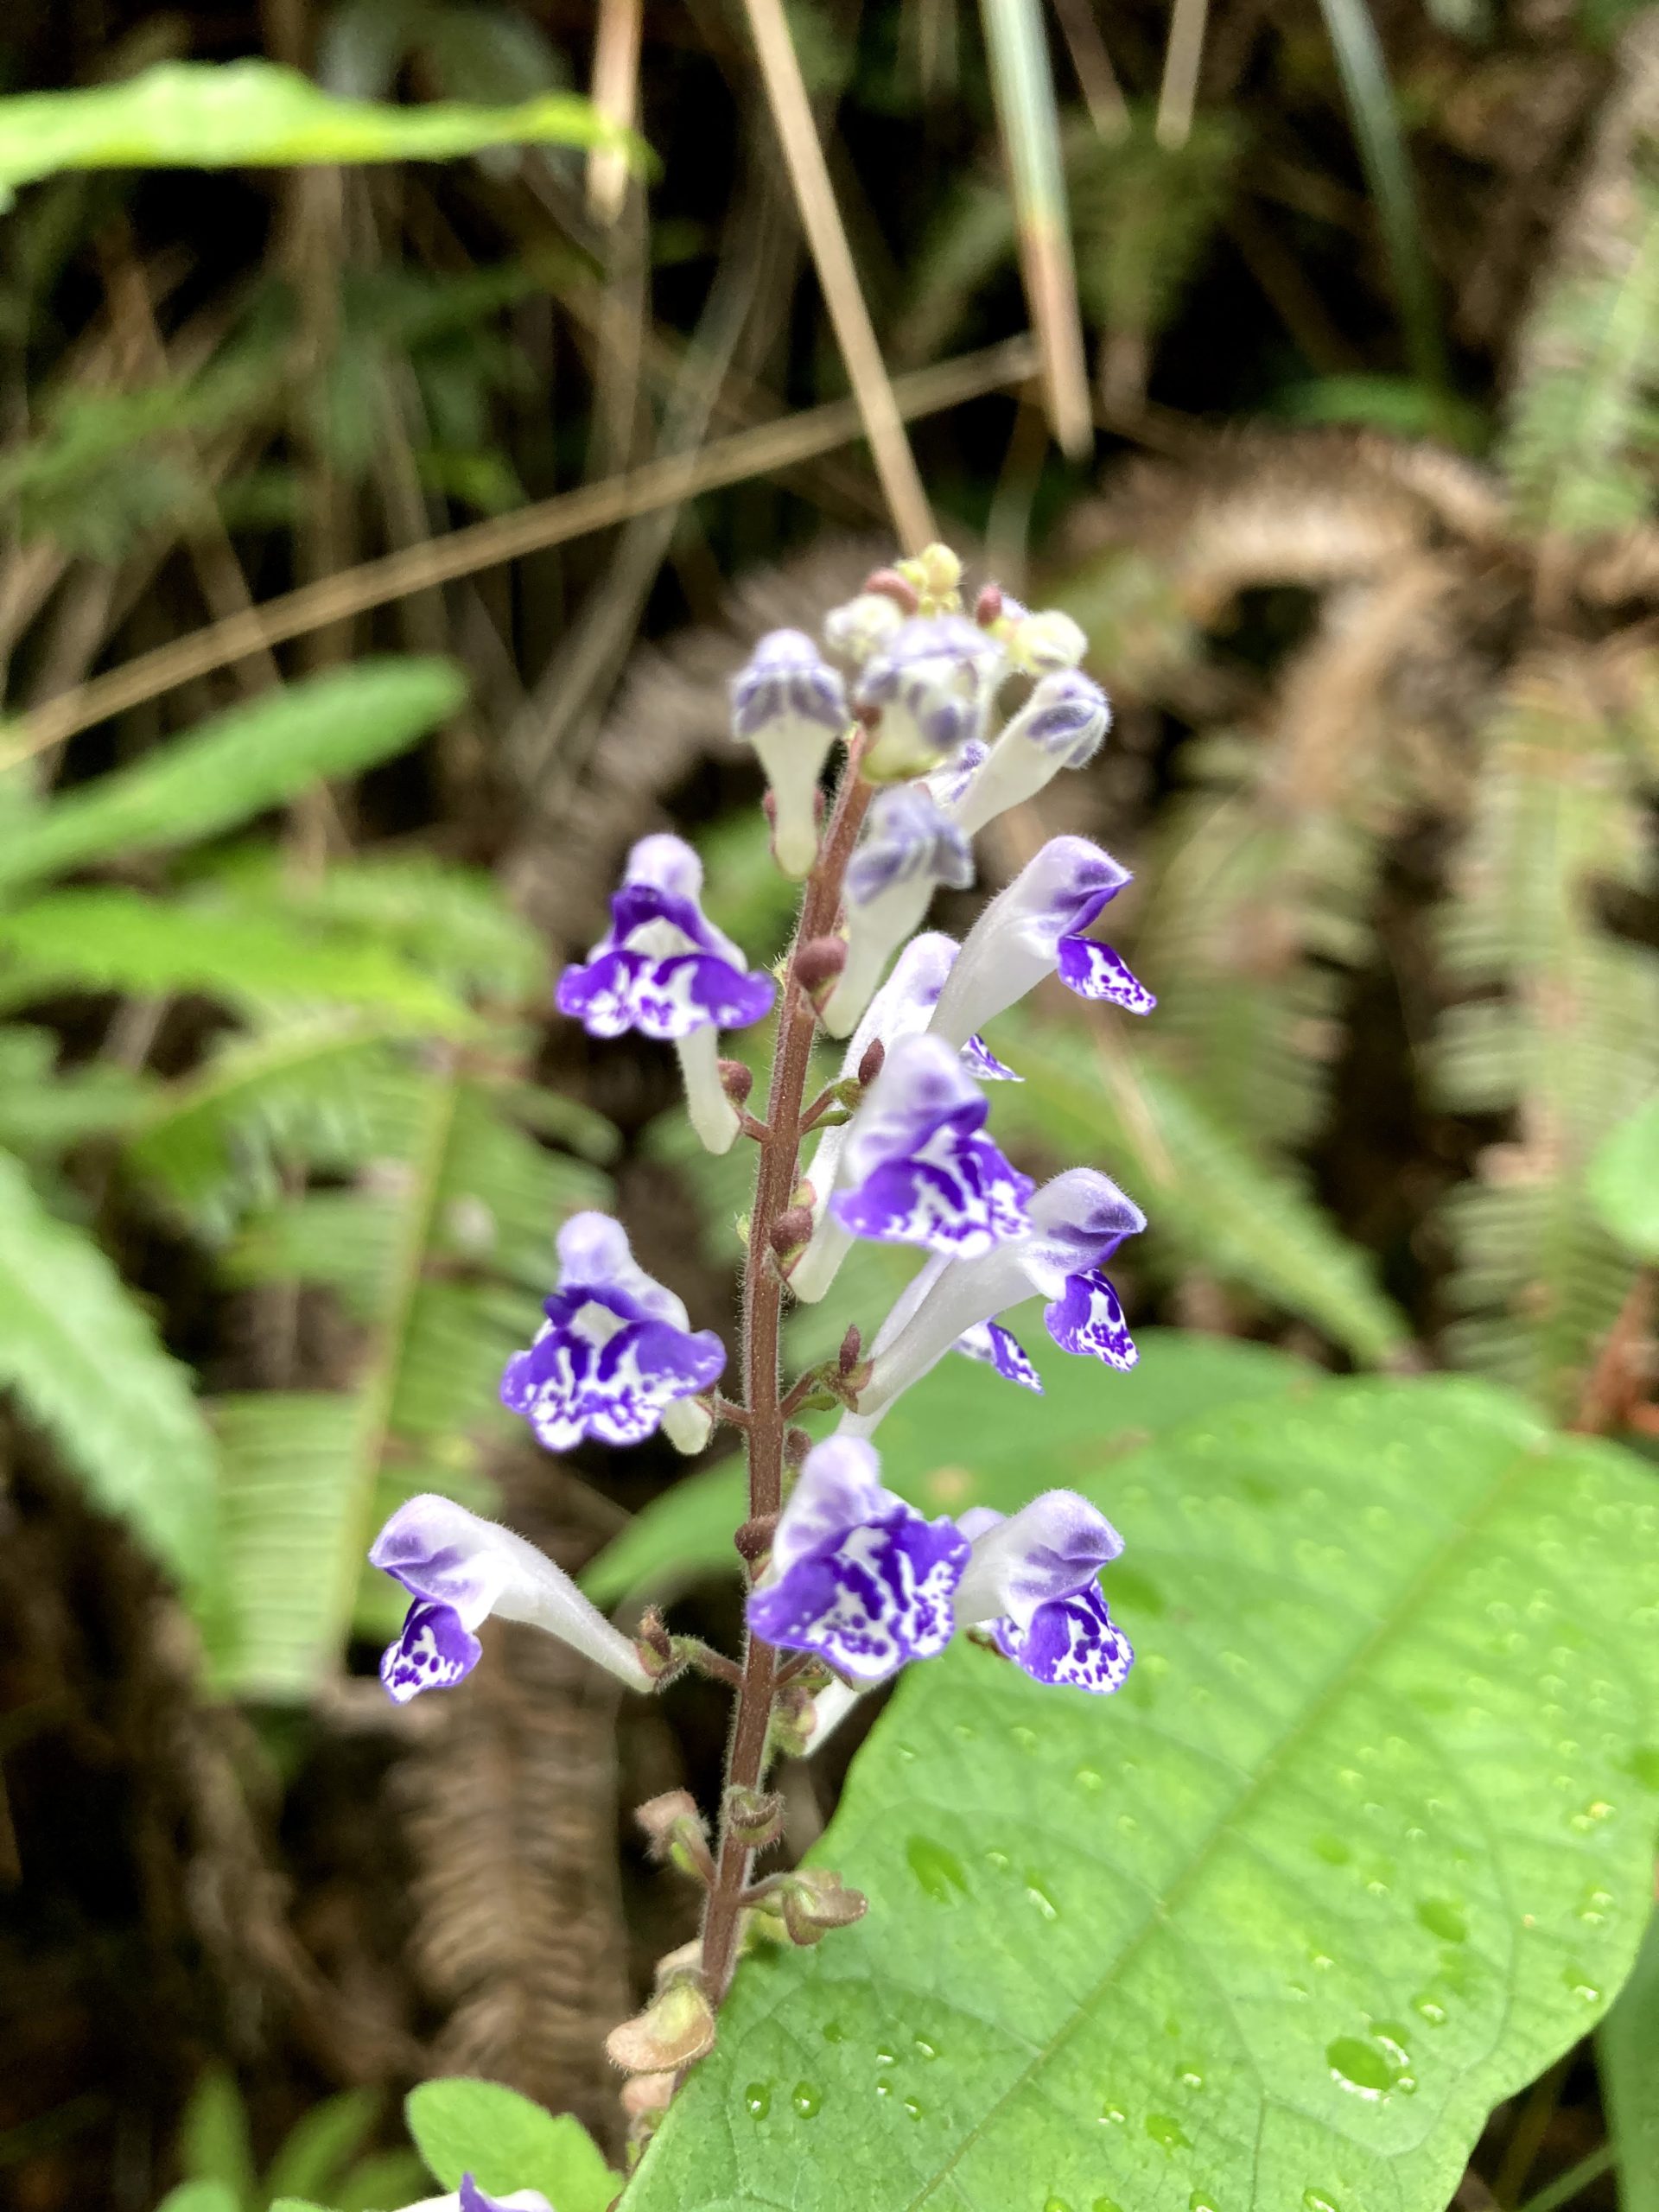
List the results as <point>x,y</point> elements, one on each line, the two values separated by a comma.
<point>380,2180</point>
<point>298,2204</point>
<point>1219,1205</point>
<point>1365,1845</point>
<point>203,2196</point>
<point>962,1437</point>
<point>1626,2046</point>
<point>119,940</point>
<point>84,1362</point>
<point>1622,1181</point>
<point>506,2142</point>
<point>215,2147</point>
<point>235,114</point>
<point>238,763</point>
<point>44,1109</point>
<point>321,2142</point>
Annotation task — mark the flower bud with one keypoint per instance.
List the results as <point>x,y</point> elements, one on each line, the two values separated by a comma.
<point>818,964</point>
<point>675,2028</point>
<point>790,1231</point>
<point>753,1539</point>
<point>1039,644</point>
<point>1062,725</point>
<point>847,1357</point>
<point>988,608</point>
<point>858,631</point>
<point>891,585</point>
<point>736,1080</point>
<point>675,1833</point>
<point>926,692</point>
<point>790,706</point>
<point>935,574</point>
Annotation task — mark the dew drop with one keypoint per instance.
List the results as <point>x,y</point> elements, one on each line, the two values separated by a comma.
<point>1114,2116</point>
<point>1443,1918</point>
<point>834,2032</point>
<point>1586,1992</point>
<point>886,2057</point>
<point>1429,2009</point>
<point>1333,1850</point>
<point>913,2109</point>
<point>1039,1896</point>
<point>1358,2067</point>
<point>939,1870</point>
<point>997,1862</point>
<point>1056,2204</point>
<point>1168,2134</point>
<point>1191,2078</point>
<point>922,2047</point>
<point>1026,1737</point>
<point>1313,2202</point>
<point>806,2100</point>
<point>1087,1778</point>
<point>884,2089</point>
<point>757,2099</point>
<point>1199,2202</point>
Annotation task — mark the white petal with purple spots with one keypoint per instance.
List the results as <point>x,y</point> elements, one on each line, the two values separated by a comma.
<point>1087,1318</point>
<point>1094,970</point>
<point>1071,1641</point>
<point>995,1347</point>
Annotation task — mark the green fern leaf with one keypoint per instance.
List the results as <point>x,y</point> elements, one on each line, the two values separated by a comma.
<point>85,1362</point>
<point>238,763</point>
<point>43,1110</point>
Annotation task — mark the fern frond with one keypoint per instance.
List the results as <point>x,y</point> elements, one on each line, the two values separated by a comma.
<point>85,1362</point>
<point>1563,1035</point>
<point>43,1110</point>
<point>1583,429</point>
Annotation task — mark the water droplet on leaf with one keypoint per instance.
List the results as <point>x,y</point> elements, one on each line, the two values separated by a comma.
<point>939,1870</point>
<point>1443,1918</point>
<point>1168,2134</point>
<point>806,2100</point>
<point>1359,2067</point>
<point>757,2099</point>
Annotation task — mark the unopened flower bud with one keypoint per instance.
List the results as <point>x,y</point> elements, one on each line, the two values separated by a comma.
<point>756,1816</point>
<point>797,1445</point>
<point>675,1833</point>
<point>888,584</point>
<point>674,2029</point>
<point>847,1358</point>
<point>1041,644</point>
<point>790,1230</point>
<point>859,630</point>
<point>814,1900</point>
<point>988,608</point>
<point>793,1717</point>
<point>936,574</point>
<point>656,1649</point>
<point>819,963</point>
<point>926,692</point>
<point>753,1539</point>
<point>790,706</point>
<point>735,1080</point>
<point>870,1065</point>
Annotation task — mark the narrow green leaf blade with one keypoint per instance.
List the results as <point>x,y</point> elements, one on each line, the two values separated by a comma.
<point>1627,2059</point>
<point>240,763</point>
<point>1365,1845</point>
<point>322,2141</point>
<point>963,1437</point>
<point>506,2142</point>
<point>1623,1182</point>
<point>224,115</point>
<point>83,1360</point>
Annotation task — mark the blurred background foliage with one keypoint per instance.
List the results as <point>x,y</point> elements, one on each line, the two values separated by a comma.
<point>347,648</point>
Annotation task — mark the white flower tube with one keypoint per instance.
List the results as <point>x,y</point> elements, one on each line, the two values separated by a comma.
<point>907,850</point>
<point>1062,725</point>
<point>708,1109</point>
<point>790,706</point>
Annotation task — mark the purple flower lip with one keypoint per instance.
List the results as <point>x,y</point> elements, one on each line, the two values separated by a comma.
<point>1031,1581</point>
<point>615,1352</point>
<point>915,1167</point>
<point>857,1575</point>
<point>662,968</point>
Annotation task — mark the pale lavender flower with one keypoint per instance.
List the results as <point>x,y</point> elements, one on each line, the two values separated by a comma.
<point>458,1569</point>
<point>1078,1221</point>
<point>927,688</point>
<point>615,1359</point>
<point>1062,725</point>
<point>857,1575</point>
<point>907,850</point>
<point>1033,1583</point>
<point>917,1167</point>
<point>1034,929</point>
<point>790,706</point>
<point>663,969</point>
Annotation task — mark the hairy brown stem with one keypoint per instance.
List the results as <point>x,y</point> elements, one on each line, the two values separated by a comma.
<point>763,1298</point>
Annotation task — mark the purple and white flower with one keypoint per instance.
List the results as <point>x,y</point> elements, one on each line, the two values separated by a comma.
<point>469,2198</point>
<point>926,691</point>
<point>1035,928</point>
<point>946,784</point>
<point>458,1569</point>
<point>790,706</point>
<point>857,1575</point>
<point>862,627</point>
<point>663,969</point>
<point>1039,644</point>
<point>1033,1583</point>
<point>615,1359</point>
<point>907,850</point>
<point>1062,725</point>
<point>917,1167</point>
<point>993,1345</point>
<point>1077,1221</point>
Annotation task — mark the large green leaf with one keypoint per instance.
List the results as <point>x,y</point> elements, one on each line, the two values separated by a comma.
<point>963,1437</point>
<point>238,765</point>
<point>1363,1846</point>
<point>506,2142</point>
<point>83,1360</point>
<point>118,940</point>
<point>1627,2059</point>
<point>1219,1206</point>
<point>228,115</point>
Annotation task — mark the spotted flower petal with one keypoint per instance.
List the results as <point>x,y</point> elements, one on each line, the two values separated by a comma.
<point>1031,1581</point>
<point>992,1344</point>
<point>857,1575</point>
<point>1088,1320</point>
<point>1073,1642</point>
<point>458,1570</point>
<point>917,1167</point>
<point>614,1352</point>
<point>1094,970</point>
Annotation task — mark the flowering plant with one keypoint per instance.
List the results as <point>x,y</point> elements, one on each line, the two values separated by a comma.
<point>849,1584</point>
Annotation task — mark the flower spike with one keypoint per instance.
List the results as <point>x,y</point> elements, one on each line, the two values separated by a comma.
<point>926,691</point>
<point>1078,1221</point>
<point>790,706</point>
<point>857,1575</point>
<point>458,1569</point>
<point>1062,725</point>
<point>917,1167</point>
<point>908,849</point>
<point>1031,1581</point>
<point>615,1359</point>
<point>663,969</point>
<point>1034,929</point>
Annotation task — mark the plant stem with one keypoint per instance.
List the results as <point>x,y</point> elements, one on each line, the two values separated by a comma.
<point>763,1297</point>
